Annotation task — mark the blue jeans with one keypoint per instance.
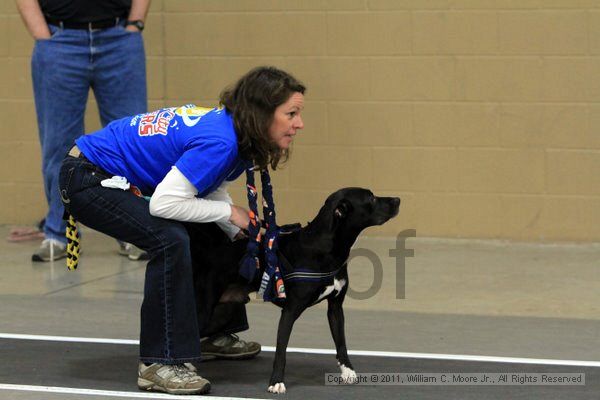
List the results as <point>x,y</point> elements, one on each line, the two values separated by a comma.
<point>64,68</point>
<point>170,331</point>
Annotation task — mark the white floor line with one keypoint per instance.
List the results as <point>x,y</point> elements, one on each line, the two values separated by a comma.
<point>392,354</point>
<point>111,393</point>
<point>67,339</point>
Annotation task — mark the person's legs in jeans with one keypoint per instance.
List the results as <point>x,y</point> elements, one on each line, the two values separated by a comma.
<point>119,73</point>
<point>169,328</point>
<point>59,68</point>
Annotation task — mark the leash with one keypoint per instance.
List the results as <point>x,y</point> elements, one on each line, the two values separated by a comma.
<point>278,268</point>
<point>73,243</point>
<point>271,285</point>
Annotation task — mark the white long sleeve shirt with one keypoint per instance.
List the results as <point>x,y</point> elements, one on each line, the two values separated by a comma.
<point>175,198</point>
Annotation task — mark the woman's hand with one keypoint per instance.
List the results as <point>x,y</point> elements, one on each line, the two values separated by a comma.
<point>239,217</point>
<point>240,235</point>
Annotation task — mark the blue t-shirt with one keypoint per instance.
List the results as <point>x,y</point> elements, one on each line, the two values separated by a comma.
<point>200,142</point>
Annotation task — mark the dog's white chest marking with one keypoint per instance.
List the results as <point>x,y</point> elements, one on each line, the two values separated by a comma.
<point>337,286</point>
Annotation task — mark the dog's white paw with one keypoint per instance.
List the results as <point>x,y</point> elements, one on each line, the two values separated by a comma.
<point>278,388</point>
<point>348,375</point>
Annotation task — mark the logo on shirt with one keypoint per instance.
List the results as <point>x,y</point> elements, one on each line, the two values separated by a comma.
<point>156,122</point>
<point>190,114</point>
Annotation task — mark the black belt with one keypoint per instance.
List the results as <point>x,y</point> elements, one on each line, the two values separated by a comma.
<point>102,24</point>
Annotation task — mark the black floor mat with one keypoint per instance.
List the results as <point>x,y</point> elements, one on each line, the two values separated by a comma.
<point>113,367</point>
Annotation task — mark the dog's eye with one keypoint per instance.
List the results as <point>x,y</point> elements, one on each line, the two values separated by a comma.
<point>373,200</point>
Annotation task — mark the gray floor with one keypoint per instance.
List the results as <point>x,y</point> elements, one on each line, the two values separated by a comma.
<point>463,297</point>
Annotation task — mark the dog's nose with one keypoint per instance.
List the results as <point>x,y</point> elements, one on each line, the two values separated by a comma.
<point>396,201</point>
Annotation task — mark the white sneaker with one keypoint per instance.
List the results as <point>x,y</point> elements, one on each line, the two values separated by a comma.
<point>173,379</point>
<point>50,250</point>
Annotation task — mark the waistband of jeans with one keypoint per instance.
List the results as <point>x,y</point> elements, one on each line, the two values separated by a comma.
<point>85,162</point>
<point>90,26</point>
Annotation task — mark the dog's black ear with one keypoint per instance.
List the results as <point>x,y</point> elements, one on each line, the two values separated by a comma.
<point>342,209</point>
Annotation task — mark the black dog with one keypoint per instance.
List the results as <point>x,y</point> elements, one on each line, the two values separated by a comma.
<point>322,246</point>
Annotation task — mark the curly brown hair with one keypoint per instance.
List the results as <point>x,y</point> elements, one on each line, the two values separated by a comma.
<point>252,102</point>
